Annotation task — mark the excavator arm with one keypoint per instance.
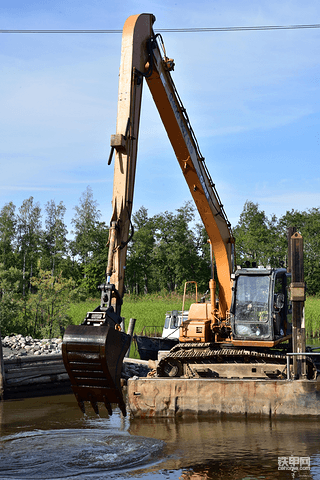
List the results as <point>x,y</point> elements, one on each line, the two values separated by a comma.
<point>134,55</point>
<point>141,58</point>
<point>93,352</point>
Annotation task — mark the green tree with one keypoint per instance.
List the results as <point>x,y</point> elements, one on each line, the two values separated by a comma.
<point>7,234</point>
<point>94,271</point>
<point>308,224</point>
<point>54,238</point>
<point>140,253</point>
<point>9,305</point>
<point>257,237</point>
<point>28,237</point>
<point>166,250</point>
<point>311,233</point>
<point>85,222</point>
<point>176,255</point>
<point>48,306</point>
<point>203,266</point>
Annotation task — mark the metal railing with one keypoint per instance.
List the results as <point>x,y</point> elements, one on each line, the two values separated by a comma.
<point>151,331</point>
<point>296,354</point>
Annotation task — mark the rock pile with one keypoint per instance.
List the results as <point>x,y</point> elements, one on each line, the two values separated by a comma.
<point>18,345</point>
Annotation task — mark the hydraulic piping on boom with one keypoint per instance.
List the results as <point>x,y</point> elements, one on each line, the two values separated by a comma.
<point>234,333</point>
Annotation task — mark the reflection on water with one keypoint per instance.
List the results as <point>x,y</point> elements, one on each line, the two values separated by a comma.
<point>221,448</point>
<point>49,438</point>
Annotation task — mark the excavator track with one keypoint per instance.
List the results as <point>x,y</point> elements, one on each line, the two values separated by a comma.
<point>191,360</point>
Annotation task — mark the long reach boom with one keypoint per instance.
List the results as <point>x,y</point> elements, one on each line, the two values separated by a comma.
<point>141,59</point>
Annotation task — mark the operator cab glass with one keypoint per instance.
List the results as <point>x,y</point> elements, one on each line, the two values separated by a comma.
<point>252,298</point>
<point>259,307</point>
<point>251,307</point>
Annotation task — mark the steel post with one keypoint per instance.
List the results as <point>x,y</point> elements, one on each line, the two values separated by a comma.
<point>132,323</point>
<point>298,298</point>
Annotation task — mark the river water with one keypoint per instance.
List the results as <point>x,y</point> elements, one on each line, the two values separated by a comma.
<point>49,438</point>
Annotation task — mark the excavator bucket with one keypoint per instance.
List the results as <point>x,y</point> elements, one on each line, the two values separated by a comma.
<point>93,357</point>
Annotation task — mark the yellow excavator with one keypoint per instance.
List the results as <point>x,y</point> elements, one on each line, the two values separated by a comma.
<point>243,331</point>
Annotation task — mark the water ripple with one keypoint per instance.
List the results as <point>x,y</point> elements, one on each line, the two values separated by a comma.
<point>63,454</point>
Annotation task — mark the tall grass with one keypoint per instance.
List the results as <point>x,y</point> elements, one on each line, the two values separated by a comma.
<point>312,316</point>
<point>150,310</point>
<point>77,311</point>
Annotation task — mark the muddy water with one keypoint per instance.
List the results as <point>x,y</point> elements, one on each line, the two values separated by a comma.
<point>49,438</point>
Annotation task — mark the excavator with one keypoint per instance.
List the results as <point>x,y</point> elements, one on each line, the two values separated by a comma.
<point>243,331</point>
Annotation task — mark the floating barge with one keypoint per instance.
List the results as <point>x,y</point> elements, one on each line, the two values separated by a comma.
<point>179,397</point>
<point>35,375</point>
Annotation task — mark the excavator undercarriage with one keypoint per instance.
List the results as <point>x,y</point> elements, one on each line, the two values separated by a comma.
<point>210,360</point>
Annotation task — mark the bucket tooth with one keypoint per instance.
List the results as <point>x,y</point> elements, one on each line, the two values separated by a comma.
<point>107,405</point>
<point>81,404</point>
<point>123,408</point>
<point>94,405</point>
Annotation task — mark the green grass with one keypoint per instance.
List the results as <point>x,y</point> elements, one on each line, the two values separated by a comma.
<point>312,316</point>
<point>78,311</point>
<point>150,311</point>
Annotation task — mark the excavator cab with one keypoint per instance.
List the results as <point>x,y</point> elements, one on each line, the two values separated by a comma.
<point>259,308</point>
<point>93,354</point>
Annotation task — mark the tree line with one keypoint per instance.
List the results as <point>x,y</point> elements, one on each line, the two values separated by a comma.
<point>264,240</point>
<point>41,270</point>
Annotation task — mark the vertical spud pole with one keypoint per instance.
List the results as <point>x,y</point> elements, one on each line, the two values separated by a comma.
<point>298,298</point>
<point>290,232</point>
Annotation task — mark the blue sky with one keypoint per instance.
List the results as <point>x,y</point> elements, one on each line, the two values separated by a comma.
<point>252,99</point>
